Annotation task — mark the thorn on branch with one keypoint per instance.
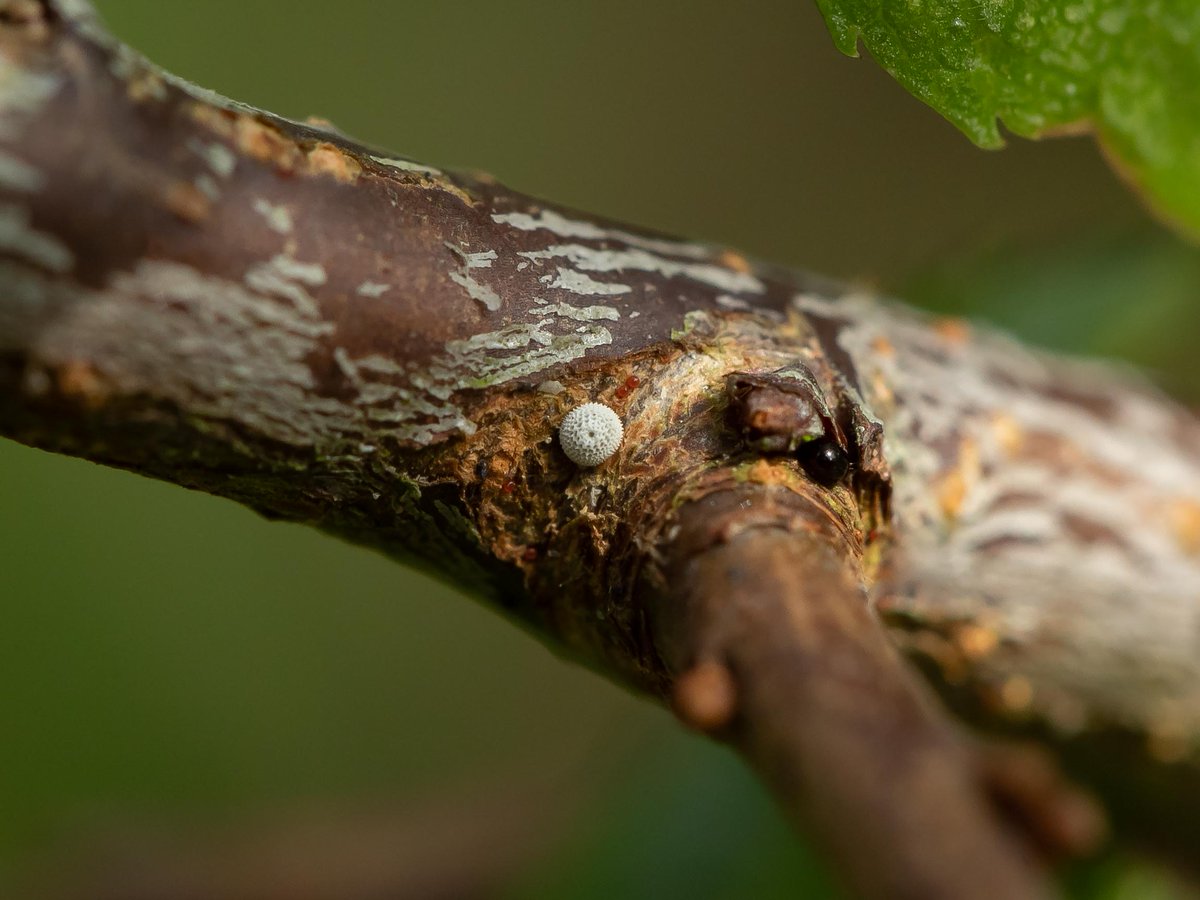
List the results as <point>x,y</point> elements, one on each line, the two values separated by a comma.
<point>705,697</point>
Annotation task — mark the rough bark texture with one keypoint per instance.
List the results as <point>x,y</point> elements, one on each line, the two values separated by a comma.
<point>265,310</point>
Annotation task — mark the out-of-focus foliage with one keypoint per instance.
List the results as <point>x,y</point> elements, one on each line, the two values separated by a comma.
<point>1121,296</point>
<point>168,658</point>
<point>1130,69</point>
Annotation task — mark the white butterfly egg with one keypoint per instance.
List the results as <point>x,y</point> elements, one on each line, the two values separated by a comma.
<point>590,434</point>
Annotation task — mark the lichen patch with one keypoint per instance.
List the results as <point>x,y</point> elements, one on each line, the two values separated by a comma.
<point>584,258</point>
<point>23,94</point>
<point>328,159</point>
<point>265,143</point>
<point>579,283</point>
<point>279,217</point>
<point>954,486</point>
<point>216,156</point>
<point>558,224</point>
<point>18,175</point>
<point>1185,522</point>
<point>19,238</point>
<point>372,289</point>
<point>186,201</point>
<point>286,277</point>
<point>463,277</point>
<point>424,177</point>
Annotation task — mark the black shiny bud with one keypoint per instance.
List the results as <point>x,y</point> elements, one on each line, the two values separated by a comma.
<point>824,461</point>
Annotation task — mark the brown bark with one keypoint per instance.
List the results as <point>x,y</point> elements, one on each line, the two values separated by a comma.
<point>265,310</point>
<point>780,603</point>
<point>766,611</point>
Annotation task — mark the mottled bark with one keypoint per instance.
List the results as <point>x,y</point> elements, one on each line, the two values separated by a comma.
<point>265,310</point>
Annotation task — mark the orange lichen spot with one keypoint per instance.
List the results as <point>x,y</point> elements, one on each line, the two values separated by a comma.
<point>975,641</point>
<point>220,121</point>
<point>705,697</point>
<point>733,260</point>
<point>951,492</point>
<point>146,85</point>
<point>530,554</point>
<point>883,346</point>
<point>761,472</point>
<point>326,159</point>
<point>1009,434</point>
<point>957,483</point>
<point>1185,523</point>
<point>1016,694</point>
<point>187,201</point>
<point>265,143</point>
<point>882,391</point>
<point>952,330</point>
<point>79,381</point>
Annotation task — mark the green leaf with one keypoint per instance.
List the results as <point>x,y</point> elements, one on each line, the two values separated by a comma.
<point>1128,69</point>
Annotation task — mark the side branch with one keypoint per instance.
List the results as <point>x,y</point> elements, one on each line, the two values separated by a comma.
<point>828,712</point>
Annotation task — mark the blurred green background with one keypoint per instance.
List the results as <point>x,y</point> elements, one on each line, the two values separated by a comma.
<point>177,672</point>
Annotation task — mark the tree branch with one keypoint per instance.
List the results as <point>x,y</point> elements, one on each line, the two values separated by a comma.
<point>265,310</point>
<point>765,588</point>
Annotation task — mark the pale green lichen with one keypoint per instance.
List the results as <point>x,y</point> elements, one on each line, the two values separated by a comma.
<point>279,217</point>
<point>23,93</point>
<point>579,283</point>
<point>372,289</point>
<point>18,175</point>
<point>476,290</point>
<point>286,277</point>
<point>216,155</point>
<point>20,238</point>
<point>407,165</point>
<point>691,320</point>
<point>625,259</point>
<point>560,225</point>
<point>580,313</point>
